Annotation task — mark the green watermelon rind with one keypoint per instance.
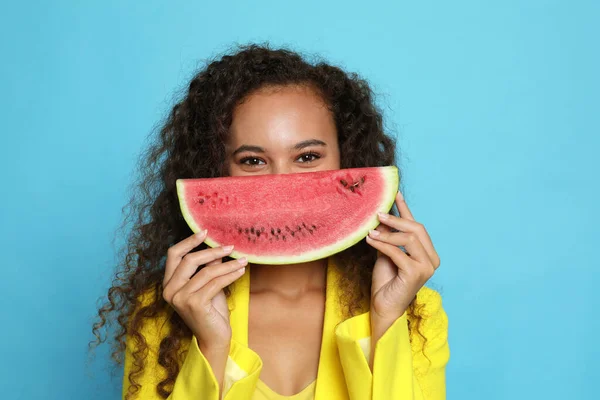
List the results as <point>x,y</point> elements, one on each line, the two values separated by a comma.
<point>391,181</point>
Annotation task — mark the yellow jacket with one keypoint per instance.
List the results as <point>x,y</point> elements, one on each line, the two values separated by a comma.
<point>401,369</point>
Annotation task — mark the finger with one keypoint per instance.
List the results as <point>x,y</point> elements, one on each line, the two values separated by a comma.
<point>214,262</point>
<point>385,228</point>
<point>409,241</point>
<point>410,226</point>
<point>403,207</point>
<point>382,228</point>
<point>212,288</point>
<point>188,266</point>
<point>398,257</point>
<point>179,250</point>
<point>208,273</point>
<point>399,223</point>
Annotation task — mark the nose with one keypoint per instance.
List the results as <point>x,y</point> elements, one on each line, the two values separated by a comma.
<point>281,168</point>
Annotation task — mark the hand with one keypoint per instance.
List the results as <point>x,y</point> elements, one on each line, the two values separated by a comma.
<point>199,299</point>
<point>398,275</point>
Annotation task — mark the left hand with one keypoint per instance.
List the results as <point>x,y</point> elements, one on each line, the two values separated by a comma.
<point>398,275</point>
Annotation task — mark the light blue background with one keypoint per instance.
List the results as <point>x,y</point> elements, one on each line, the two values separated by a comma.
<point>496,109</point>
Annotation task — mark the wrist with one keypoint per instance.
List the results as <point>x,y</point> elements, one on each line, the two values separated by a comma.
<point>213,348</point>
<point>380,324</point>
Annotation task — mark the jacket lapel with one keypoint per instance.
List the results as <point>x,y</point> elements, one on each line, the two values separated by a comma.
<point>331,383</point>
<point>330,377</point>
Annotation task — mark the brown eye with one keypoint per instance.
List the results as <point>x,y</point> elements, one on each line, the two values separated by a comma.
<point>308,157</point>
<point>251,161</point>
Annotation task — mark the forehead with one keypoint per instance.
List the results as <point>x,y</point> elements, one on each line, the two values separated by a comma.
<point>282,116</point>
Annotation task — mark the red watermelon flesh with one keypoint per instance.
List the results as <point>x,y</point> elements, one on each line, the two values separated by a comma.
<point>288,218</point>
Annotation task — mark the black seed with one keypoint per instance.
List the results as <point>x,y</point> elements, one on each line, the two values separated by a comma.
<point>352,189</point>
<point>247,230</point>
<point>293,233</point>
<point>257,233</point>
<point>252,230</point>
<point>272,231</point>
<point>362,179</point>
<point>343,182</point>
<point>314,227</point>
<point>287,228</point>
<point>240,230</point>
<point>310,231</point>
<point>304,226</point>
<point>201,201</point>
<point>278,230</point>
<point>248,237</point>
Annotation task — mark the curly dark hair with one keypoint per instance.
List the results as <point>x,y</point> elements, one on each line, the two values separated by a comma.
<point>191,144</point>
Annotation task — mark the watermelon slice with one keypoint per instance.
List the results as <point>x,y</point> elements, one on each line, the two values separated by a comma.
<point>288,218</point>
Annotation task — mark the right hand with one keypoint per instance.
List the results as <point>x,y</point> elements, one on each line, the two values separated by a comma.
<point>200,300</point>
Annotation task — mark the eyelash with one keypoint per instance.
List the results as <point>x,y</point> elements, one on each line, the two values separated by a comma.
<point>315,156</point>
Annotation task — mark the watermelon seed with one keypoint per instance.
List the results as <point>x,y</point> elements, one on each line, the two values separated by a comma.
<point>343,182</point>
<point>247,230</point>
<point>257,233</point>
<point>293,233</point>
<point>362,179</point>
<point>314,227</point>
<point>252,230</point>
<point>278,230</point>
<point>284,238</point>
<point>201,201</point>
<point>272,231</point>
<point>239,230</point>
<point>352,189</point>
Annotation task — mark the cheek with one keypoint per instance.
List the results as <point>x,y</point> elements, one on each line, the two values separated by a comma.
<point>335,159</point>
<point>333,163</point>
<point>235,170</point>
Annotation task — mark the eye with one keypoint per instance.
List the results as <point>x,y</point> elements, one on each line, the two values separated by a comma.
<point>308,157</point>
<point>251,161</point>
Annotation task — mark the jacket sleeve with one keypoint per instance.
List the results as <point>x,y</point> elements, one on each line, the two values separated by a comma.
<point>405,365</point>
<point>196,378</point>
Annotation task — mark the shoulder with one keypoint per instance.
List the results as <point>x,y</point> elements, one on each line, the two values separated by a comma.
<point>428,318</point>
<point>153,326</point>
<point>429,301</point>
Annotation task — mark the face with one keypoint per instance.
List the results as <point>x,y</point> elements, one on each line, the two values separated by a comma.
<point>282,130</point>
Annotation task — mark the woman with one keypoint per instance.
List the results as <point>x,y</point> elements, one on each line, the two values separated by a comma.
<point>196,324</point>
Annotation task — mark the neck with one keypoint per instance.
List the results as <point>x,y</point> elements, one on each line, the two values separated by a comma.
<point>291,280</point>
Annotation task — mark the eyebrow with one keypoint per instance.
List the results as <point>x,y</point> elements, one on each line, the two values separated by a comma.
<point>297,146</point>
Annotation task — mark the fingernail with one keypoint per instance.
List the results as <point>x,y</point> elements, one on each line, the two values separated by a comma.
<point>201,234</point>
<point>374,233</point>
<point>400,196</point>
<point>382,215</point>
<point>242,270</point>
<point>227,248</point>
<point>242,260</point>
